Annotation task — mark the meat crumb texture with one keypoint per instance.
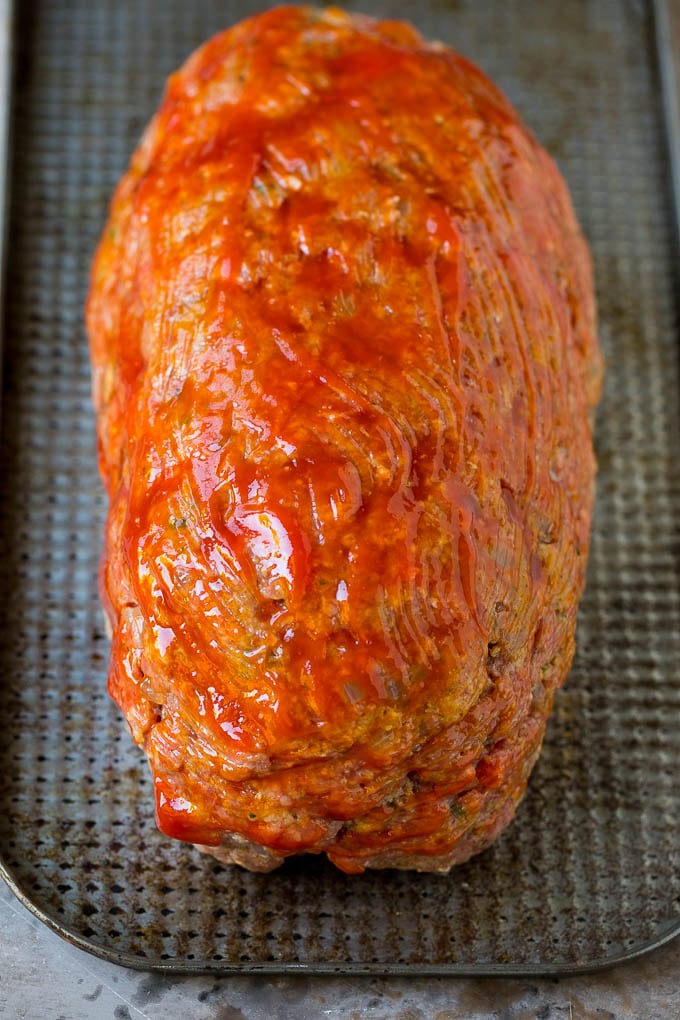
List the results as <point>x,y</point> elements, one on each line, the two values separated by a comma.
<point>345,363</point>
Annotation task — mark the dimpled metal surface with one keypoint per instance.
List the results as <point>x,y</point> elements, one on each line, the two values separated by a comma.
<point>589,869</point>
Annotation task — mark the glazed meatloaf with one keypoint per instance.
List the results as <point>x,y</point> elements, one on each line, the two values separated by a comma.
<point>345,360</point>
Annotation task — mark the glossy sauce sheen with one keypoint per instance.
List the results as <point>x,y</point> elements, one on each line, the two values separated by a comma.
<point>344,351</point>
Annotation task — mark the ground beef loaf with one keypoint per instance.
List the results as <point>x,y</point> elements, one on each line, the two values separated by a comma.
<point>343,337</point>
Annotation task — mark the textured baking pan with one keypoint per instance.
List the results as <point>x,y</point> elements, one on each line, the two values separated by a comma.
<point>590,872</point>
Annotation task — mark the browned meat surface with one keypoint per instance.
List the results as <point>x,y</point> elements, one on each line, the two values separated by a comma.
<point>344,349</point>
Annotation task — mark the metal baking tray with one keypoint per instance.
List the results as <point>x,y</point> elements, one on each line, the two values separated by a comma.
<point>589,874</point>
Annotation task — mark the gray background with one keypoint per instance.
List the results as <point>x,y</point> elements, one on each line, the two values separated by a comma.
<point>43,978</point>
<point>40,976</point>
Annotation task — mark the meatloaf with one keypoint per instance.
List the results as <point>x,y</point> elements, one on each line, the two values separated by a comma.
<point>345,360</point>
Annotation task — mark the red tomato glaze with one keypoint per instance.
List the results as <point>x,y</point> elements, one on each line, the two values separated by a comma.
<point>342,332</point>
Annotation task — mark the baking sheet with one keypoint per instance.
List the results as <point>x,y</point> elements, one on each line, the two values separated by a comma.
<point>6,35</point>
<point>589,872</point>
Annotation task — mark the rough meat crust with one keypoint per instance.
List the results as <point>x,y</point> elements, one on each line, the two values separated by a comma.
<point>235,849</point>
<point>344,353</point>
